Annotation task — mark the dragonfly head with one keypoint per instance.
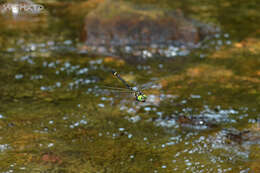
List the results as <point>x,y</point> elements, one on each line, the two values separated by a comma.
<point>141,97</point>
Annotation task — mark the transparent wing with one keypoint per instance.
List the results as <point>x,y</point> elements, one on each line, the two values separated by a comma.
<point>106,91</point>
<point>150,85</point>
<point>114,88</point>
<point>118,91</point>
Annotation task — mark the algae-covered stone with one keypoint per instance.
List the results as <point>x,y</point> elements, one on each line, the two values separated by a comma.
<point>116,25</point>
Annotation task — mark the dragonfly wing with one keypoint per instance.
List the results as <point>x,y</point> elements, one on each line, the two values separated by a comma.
<point>118,91</point>
<point>151,85</point>
<point>114,88</point>
<point>112,91</point>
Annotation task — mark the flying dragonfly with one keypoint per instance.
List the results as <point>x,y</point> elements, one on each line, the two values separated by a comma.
<point>139,95</point>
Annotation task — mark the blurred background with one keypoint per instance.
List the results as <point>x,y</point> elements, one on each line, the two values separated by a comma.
<point>197,60</point>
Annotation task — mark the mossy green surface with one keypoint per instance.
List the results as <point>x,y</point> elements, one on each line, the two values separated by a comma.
<point>50,123</point>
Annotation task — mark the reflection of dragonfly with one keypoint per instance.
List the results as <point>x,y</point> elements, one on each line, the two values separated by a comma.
<point>139,96</point>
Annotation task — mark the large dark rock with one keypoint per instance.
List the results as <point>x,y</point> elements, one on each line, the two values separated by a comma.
<point>120,26</point>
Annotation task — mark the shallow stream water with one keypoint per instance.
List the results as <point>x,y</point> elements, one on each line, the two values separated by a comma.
<point>202,112</point>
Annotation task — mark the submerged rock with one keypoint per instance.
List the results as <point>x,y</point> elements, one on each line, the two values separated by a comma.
<point>122,28</point>
<point>196,122</point>
<point>243,137</point>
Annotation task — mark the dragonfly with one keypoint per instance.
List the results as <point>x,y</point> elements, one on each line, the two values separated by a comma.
<point>139,95</point>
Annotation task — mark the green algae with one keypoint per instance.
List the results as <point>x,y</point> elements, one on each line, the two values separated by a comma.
<point>75,134</point>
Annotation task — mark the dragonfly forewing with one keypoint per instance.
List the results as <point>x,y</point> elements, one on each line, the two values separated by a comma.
<point>114,88</point>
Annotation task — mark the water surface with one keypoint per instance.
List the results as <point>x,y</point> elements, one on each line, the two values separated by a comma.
<point>202,113</point>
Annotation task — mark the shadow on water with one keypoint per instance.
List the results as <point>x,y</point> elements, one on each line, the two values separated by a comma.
<point>202,113</point>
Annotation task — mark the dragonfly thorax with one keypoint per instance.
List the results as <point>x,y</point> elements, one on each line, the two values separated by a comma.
<point>139,96</point>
